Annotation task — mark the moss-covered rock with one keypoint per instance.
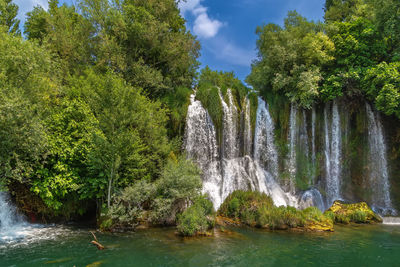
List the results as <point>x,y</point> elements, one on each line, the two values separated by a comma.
<point>256,209</point>
<point>352,213</point>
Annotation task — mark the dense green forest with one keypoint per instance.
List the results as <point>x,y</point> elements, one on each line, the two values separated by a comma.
<point>355,53</point>
<point>93,97</point>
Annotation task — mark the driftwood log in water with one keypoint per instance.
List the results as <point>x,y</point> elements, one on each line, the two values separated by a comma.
<point>96,242</point>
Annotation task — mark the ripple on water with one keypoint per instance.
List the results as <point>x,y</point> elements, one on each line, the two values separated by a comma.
<point>26,234</point>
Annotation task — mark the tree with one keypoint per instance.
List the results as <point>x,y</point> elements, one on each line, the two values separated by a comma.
<point>132,141</point>
<point>146,41</point>
<point>345,10</point>
<point>65,32</point>
<point>27,80</point>
<point>8,14</point>
<point>291,59</point>
<point>382,84</point>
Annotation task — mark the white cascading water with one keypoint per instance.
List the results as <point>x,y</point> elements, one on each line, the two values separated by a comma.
<point>312,198</point>
<point>313,152</point>
<point>14,230</point>
<point>303,134</point>
<point>225,171</point>
<point>332,153</point>
<point>230,139</point>
<point>378,169</point>
<point>391,220</point>
<point>292,138</point>
<point>223,176</point>
<point>9,217</point>
<point>264,147</point>
<point>248,137</point>
<point>266,155</point>
<point>201,145</point>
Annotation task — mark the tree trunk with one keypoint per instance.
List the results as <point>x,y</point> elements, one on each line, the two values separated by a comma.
<point>109,185</point>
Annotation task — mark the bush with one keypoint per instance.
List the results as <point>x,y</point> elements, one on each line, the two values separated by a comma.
<point>257,209</point>
<point>158,202</point>
<point>197,219</point>
<point>358,216</point>
<point>356,213</point>
<point>130,205</point>
<point>179,185</point>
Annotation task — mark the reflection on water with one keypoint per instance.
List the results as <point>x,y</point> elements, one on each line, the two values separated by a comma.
<point>63,246</point>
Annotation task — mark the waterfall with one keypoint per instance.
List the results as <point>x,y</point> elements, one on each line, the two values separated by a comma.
<point>312,198</point>
<point>248,137</point>
<point>292,138</point>
<point>201,145</point>
<point>230,146</point>
<point>391,220</point>
<point>226,173</point>
<point>8,214</point>
<point>264,147</point>
<point>332,153</point>
<point>249,160</point>
<point>378,170</point>
<point>313,152</point>
<point>12,224</point>
<point>303,135</point>
<point>266,156</point>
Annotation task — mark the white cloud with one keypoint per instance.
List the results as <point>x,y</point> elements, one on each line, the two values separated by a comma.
<point>204,26</point>
<point>188,5</point>
<point>227,51</point>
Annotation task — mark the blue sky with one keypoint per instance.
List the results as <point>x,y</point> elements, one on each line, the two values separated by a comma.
<point>226,29</point>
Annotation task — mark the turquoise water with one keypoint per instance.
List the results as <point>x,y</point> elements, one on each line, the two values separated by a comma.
<point>377,245</point>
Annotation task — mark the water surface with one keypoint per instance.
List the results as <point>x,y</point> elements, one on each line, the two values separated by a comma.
<point>350,245</point>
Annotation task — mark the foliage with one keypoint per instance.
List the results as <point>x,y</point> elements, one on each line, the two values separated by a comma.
<point>177,103</point>
<point>161,201</point>
<point>8,14</point>
<point>257,209</point>
<point>70,127</point>
<point>131,203</point>
<point>25,86</point>
<point>197,219</point>
<point>144,40</point>
<point>178,185</point>
<point>132,142</point>
<point>290,59</point>
<point>354,54</point>
<point>64,32</point>
<point>344,10</point>
<point>357,213</point>
<point>212,85</point>
<point>382,84</point>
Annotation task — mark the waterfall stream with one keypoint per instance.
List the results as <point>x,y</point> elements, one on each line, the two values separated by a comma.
<point>8,215</point>
<point>292,139</point>
<point>264,145</point>
<point>248,160</point>
<point>332,152</point>
<point>230,172</point>
<point>378,170</point>
<point>248,137</point>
